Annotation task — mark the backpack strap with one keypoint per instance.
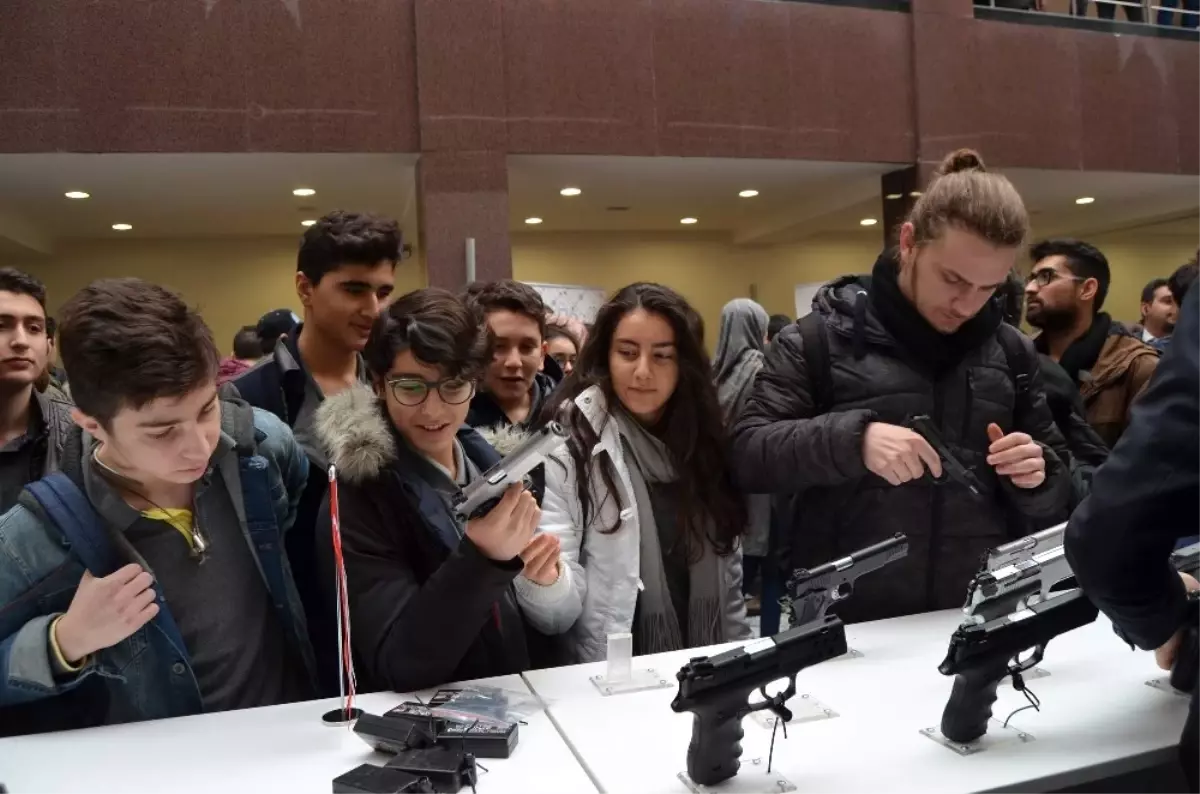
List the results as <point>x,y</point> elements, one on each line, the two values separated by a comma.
<point>69,509</point>
<point>815,338</point>
<point>1019,364</point>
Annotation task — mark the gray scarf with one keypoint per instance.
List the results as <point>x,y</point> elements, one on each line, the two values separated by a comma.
<point>740,344</point>
<point>658,628</point>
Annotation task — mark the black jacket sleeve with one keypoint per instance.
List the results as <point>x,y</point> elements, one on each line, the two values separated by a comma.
<point>1146,497</point>
<point>1048,504</point>
<point>412,635</point>
<point>779,445</point>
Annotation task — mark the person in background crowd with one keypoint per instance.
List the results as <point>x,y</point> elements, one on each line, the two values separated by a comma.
<point>1108,10</point>
<point>34,422</point>
<point>247,350</point>
<point>642,498</point>
<point>58,375</point>
<point>431,596</point>
<point>1158,315</point>
<point>562,346</point>
<point>920,336</point>
<point>741,340</point>
<point>514,386</point>
<point>273,326</point>
<point>1181,280</point>
<point>1166,13</point>
<point>777,323</point>
<point>1145,498</point>
<point>1110,365</point>
<point>190,497</point>
<point>345,274</point>
<point>1085,451</point>
<point>573,325</point>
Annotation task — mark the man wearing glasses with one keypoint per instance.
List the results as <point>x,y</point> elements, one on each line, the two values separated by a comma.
<point>1106,360</point>
<point>431,595</point>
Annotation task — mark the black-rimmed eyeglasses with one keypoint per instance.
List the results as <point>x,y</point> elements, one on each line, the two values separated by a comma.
<point>1047,276</point>
<point>414,391</point>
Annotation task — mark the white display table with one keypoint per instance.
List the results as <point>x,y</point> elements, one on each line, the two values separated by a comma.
<point>1098,719</point>
<point>283,749</point>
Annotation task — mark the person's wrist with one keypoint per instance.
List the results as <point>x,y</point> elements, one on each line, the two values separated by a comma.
<point>72,650</point>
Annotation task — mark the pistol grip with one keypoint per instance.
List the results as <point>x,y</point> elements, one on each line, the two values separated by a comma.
<point>969,708</point>
<point>715,748</point>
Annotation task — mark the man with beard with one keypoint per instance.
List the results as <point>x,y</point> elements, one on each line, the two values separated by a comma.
<point>1158,314</point>
<point>1106,360</point>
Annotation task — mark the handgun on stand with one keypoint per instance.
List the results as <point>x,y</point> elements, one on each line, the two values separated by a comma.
<point>1011,609</point>
<point>482,495</point>
<point>811,592</point>
<point>716,690</point>
<point>1187,559</point>
<point>952,467</point>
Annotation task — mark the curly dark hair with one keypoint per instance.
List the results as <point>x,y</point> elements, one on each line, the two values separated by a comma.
<point>347,238</point>
<point>510,295</point>
<point>691,425</point>
<point>437,326</point>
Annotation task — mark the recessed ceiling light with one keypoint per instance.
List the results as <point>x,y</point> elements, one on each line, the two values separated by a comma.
<point>121,227</point>
<point>304,191</point>
<point>533,221</point>
<point>687,221</point>
<point>894,196</point>
<point>915,193</point>
<point>570,191</point>
<point>1084,200</point>
<point>748,193</point>
<point>77,194</point>
<point>308,223</point>
<point>868,222</point>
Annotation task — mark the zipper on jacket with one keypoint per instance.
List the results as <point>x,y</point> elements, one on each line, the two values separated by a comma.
<point>935,523</point>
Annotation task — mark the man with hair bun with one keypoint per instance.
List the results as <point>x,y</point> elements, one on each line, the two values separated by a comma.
<point>830,415</point>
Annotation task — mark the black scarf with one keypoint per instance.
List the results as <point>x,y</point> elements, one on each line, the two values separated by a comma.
<point>938,352</point>
<point>1082,354</point>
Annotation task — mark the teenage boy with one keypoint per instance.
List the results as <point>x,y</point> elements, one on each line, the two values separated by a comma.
<point>34,422</point>
<point>344,276</point>
<point>520,375</point>
<point>431,595</point>
<point>146,579</point>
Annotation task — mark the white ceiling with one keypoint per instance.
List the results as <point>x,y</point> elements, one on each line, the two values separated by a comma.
<point>202,195</point>
<point>798,198</point>
<point>194,195</point>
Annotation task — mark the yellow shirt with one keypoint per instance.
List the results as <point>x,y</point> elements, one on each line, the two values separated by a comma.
<point>178,517</point>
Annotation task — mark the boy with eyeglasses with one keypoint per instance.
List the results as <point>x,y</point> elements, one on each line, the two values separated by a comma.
<point>431,596</point>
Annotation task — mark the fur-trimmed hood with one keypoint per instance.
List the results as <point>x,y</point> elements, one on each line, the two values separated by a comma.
<point>361,442</point>
<point>355,433</point>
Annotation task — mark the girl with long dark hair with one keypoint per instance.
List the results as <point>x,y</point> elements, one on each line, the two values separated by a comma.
<point>641,498</point>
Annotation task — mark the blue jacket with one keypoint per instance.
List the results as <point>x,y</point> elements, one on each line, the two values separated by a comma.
<point>148,675</point>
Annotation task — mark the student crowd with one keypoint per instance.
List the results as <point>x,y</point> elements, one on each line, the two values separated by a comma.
<point>166,542</point>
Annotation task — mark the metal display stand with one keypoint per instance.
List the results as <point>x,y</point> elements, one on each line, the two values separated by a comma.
<point>752,778</point>
<point>998,735</point>
<point>805,708</point>
<point>1163,684</point>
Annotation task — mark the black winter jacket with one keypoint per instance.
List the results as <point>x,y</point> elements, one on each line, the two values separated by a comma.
<point>779,445</point>
<point>423,612</point>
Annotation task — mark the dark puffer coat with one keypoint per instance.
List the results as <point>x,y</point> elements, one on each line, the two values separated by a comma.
<point>780,446</point>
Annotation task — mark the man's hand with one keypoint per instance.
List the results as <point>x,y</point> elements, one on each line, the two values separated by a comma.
<point>505,531</point>
<point>898,454</point>
<point>541,560</point>
<point>105,611</point>
<point>1016,456</point>
<point>1165,654</point>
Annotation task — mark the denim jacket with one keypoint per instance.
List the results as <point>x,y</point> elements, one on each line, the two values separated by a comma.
<point>148,675</point>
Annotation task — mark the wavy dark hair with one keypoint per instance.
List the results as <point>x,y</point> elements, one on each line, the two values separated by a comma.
<point>690,427</point>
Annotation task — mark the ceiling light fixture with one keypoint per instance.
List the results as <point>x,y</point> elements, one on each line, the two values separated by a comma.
<point>570,191</point>
<point>122,227</point>
<point>533,221</point>
<point>304,191</point>
<point>748,193</point>
<point>915,193</point>
<point>868,222</point>
<point>308,223</point>
<point>894,196</point>
<point>77,194</point>
<point>1084,200</point>
<point>687,221</point>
